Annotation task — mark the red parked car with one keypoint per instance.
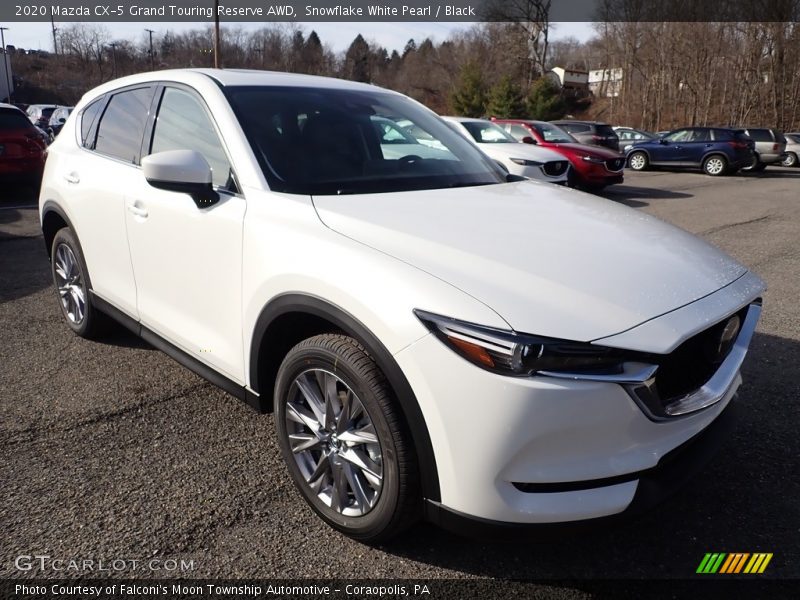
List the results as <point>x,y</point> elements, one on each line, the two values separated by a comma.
<point>22,148</point>
<point>593,167</point>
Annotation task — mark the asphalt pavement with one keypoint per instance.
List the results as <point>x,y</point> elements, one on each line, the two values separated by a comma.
<point>112,451</point>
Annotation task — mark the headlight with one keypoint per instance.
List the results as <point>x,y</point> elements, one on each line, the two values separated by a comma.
<point>510,353</point>
<point>525,162</point>
<point>594,159</point>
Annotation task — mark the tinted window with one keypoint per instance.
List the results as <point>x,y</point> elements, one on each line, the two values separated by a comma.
<point>606,130</point>
<point>760,135</point>
<point>13,119</point>
<point>723,135</point>
<point>794,138</point>
<point>122,125</point>
<point>552,133</point>
<point>699,135</point>
<point>88,117</point>
<point>183,124</point>
<point>575,128</point>
<point>485,132</point>
<point>329,141</point>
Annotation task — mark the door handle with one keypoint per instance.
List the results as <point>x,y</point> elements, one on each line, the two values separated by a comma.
<point>137,211</point>
<point>72,177</point>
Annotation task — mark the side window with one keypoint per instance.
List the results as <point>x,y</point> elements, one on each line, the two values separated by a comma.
<point>183,124</point>
<point>122,125</point>
<point>699,135</point>
<point>682,135</point>
<point>88,117</point>
<point>518,131</point>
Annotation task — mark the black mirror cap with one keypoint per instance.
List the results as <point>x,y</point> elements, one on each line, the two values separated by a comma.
<point>529,140</point>
<point>202,194</point>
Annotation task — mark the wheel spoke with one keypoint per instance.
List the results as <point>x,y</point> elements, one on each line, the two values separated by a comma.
<point>305,441</point>
<point>365,435</point>
<point>362,461</point>
<point>343,422</point>
<point>339,496</point>
<point>322,467</point>
<point>299,415</point>
<point>311,392</point>
<point>328,387</point>
<point>353,479</point>
<point>77,301</point>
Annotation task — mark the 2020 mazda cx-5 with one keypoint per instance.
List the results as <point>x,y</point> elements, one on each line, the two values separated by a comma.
<point>433,339</point>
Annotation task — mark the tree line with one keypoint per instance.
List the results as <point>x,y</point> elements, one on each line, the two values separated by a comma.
<point>674,74</point>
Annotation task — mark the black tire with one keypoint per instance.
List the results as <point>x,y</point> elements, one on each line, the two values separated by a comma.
<point>397,504</point>
<point>91,323</point>
<point>640,163</point>
<point>715,165</point>
<point>755,165</point>
<point>790,160</point>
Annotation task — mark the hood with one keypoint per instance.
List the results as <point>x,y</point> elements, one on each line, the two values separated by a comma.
<point>550,261</point>
<point>600,151</point>
<point>528,151</point>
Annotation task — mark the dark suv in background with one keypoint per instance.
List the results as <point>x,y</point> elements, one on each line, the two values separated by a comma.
<point>591,132</point>
<point>770,147</point>
<point>715,150</point>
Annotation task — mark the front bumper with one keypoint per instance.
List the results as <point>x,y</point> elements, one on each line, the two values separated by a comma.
<point>552,450</point>
<point>653,486</point>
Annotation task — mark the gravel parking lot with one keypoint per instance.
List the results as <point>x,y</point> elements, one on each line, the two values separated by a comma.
<point>113,451</point>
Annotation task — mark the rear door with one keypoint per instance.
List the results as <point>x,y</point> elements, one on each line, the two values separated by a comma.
<point>695,147</point>
<point>188,260</point>
<point>97,171</point>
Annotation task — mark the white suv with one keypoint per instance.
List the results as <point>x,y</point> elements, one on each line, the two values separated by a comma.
<point>434,340</point>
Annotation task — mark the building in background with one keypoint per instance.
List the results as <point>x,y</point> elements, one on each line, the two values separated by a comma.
<point>572,82</point>
<point>606,82</point>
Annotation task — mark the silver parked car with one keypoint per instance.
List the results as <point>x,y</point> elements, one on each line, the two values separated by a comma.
<point>791,159</point>
<point>770,147</point>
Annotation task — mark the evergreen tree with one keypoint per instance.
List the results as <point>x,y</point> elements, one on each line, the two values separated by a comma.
<point>545,102</point>
<point>469,98</point>
<point>356,60</point>
<point>506,100</point>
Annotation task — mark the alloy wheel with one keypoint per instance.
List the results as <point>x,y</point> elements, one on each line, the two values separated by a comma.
<point>638,161</point>
<point>71,289</point>
<point>715,165</point>
<point>334,442</point>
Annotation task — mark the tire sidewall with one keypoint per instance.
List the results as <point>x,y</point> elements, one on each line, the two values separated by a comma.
<point>381,516</point>
<point>791,160</point>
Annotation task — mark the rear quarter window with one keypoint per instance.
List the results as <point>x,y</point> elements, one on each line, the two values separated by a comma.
<point>121,128</point>
<point>13,119</point>
<point>575,127</point>
<point>605,130</point>
<point>760,135</point>
<point>88,117</point>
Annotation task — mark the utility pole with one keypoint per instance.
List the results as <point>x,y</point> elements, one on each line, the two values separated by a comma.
<point>113,46</point>
<point>217,52</point>
<point>6,64</point>
<point>55,42</point>
<point>152,56</point>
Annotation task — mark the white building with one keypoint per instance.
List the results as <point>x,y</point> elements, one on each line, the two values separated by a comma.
<point>570,80</point>
<point>606,82</point>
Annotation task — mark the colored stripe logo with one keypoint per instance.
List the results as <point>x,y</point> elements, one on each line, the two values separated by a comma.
<point>734,563</point>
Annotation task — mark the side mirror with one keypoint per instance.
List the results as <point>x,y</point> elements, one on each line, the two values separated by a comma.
<point>182,171</point>
<point>529,140</point>
<point>663,141</point>
<point>62,120</point>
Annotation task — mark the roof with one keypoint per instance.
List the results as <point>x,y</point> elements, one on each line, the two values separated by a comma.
<point>466,120</point>
<point>4,105</point>
<point>238,77</point>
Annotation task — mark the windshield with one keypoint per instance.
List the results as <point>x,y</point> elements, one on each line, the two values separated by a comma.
<point>553,133</point>
<point>329,141</point>
<point>485,132</point>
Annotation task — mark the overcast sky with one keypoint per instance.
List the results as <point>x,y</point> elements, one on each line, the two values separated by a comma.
<point>392,36</point>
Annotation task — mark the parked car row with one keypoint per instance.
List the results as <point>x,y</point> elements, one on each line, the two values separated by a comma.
<point>50,118</point>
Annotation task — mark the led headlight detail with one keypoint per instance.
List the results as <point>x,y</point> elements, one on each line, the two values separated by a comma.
<point>510,353</point>
<point>594,159</point>
<point>525,162</point>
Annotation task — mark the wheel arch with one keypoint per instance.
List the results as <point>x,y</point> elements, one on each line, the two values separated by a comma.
<point>53,219</point>
<point>634,151</point>
<point>288,319</point>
